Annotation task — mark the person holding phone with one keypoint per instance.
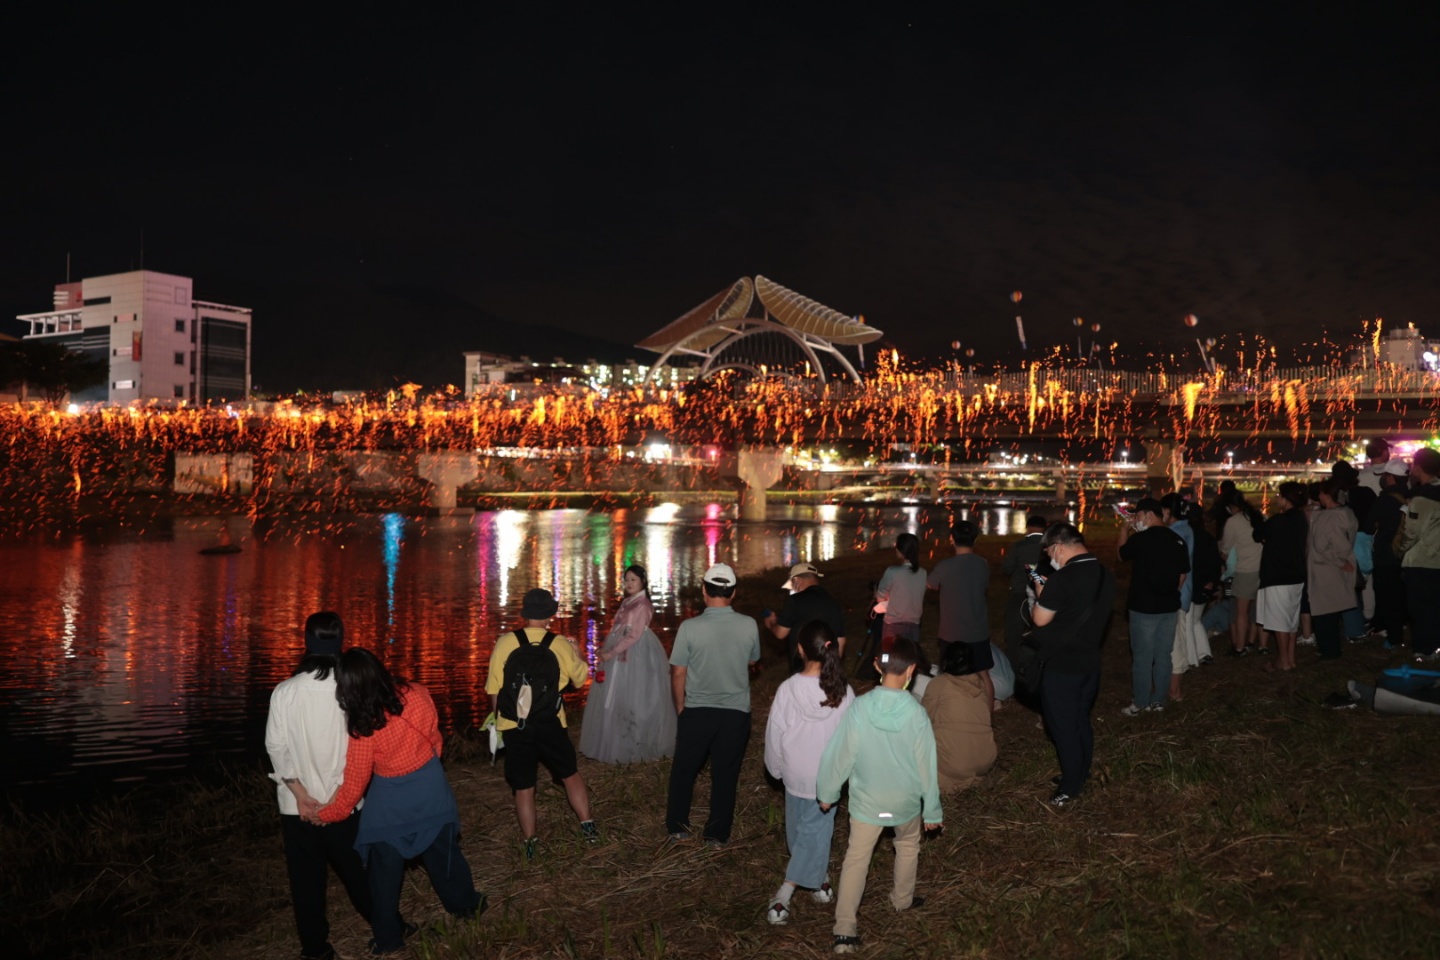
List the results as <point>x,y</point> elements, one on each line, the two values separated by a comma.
<point>1071,615</point>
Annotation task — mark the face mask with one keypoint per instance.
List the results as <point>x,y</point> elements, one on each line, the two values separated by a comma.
<point>1139,525</point>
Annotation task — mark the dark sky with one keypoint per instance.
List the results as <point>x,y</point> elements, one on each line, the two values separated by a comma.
<point>1273,171</point>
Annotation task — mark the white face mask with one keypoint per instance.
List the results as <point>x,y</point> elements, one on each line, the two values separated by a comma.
<point>1139,525</point>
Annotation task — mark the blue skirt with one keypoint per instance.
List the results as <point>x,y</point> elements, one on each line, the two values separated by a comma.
<point>407,812</point>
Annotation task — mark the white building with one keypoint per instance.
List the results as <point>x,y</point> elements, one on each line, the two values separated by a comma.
<point>1403,347</point>
<point>159,341</point>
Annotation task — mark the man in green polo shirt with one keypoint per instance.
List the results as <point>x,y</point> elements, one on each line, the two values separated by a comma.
<point>710,681</point>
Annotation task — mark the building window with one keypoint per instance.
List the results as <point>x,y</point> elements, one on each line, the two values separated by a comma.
<point>124,384</point>
<point>180,390</point>
<point>95,301</point>
<point>180,326</point>
<point>179,359</point>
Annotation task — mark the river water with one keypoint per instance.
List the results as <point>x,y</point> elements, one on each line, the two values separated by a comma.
<point>128,656</point>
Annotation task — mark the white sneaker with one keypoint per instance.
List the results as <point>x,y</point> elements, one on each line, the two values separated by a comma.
<point>824,895</point>
<point>1132,711</point>
<point>1155,708</point>
<point>778,914</point>
<point>1305,641</point>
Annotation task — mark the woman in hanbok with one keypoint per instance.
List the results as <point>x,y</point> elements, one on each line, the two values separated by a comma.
<point>629,714</point>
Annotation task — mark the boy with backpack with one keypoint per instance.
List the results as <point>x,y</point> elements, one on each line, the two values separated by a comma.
<point>528,669</point>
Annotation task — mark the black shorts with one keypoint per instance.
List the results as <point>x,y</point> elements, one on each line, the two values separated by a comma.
<point>525,749</point>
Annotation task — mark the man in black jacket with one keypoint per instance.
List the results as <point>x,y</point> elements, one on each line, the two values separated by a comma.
<point>1159,564</point>
<point>1071,614</point>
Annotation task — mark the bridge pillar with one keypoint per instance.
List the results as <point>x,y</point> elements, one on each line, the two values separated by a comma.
<point>214,474</point>
<point>1164,465</point>
<point>759,469</point>
<point>447,471</point>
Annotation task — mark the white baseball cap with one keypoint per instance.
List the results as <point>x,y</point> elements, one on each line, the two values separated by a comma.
<point>720,575</point>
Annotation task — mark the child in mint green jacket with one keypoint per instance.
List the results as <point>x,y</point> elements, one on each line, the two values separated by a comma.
<point>886,750</point>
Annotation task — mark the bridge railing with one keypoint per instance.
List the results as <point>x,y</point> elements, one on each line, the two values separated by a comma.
<point>1153,384</point>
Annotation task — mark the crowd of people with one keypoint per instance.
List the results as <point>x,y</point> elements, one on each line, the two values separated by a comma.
<point>356,751</point>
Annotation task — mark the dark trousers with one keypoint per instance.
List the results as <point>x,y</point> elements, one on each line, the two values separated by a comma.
<point>1067,700</point>
<point>1422,596</point>
<point>449,873</point>
<point>310,852</point>
<point>720,735</point>
<point>1389,603</point>
<point>1014,622</point>
<point>1329,634</point>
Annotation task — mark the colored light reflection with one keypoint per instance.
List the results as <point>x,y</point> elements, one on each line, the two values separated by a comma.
<point>125,657</point>
<point>393,538</point>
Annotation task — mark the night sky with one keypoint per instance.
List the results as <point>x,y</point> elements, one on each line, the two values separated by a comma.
<point>389,190</point>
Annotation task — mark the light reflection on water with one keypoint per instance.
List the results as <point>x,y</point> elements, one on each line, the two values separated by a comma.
<point>130,657</point>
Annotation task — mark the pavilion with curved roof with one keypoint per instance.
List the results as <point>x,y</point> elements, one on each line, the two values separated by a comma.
<point>790,333</point>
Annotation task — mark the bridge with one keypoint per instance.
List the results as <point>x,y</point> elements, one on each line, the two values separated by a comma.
<point>950,424</point>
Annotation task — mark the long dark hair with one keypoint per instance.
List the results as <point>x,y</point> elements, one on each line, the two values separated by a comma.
<point>909,546</point>
<point>817,643</point>
<point>367,692</point>
<point>320,664</point>
<point>1234,498</point>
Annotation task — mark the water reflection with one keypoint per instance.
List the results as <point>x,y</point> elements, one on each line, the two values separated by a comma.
<point>125,657</point>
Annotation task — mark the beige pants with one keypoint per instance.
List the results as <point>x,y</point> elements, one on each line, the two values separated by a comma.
<point>863,837</point>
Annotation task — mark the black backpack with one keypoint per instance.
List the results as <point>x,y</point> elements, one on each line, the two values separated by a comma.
<point>532,681</point>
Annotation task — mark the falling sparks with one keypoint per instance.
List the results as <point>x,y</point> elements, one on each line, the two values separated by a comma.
<point>549,440</point>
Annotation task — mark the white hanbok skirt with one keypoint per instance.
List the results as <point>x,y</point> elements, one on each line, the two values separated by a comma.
<point>630,716</point>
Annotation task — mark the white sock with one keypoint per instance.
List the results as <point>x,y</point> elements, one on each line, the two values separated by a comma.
<point>786,891</point>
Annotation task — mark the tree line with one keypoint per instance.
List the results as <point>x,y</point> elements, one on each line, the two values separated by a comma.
<point>49,369</point>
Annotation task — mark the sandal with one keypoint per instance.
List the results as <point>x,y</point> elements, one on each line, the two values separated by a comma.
<point>846,944</point>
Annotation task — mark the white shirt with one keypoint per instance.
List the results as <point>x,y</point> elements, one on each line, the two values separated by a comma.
<point>1370,476</point>
<point>306,738</point>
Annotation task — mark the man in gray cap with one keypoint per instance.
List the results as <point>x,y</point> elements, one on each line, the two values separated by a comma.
<point>710,681</point>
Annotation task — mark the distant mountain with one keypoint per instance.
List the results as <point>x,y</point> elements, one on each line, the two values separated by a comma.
<point>373,340</point>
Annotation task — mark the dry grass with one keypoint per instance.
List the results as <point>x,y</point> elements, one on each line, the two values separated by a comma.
<point>1246,821</point>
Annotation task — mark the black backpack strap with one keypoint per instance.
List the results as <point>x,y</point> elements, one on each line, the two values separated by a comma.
<point>520,635</point>
<point>545,644</point>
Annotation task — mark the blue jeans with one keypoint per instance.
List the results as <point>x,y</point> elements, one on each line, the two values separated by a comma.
<point>808,833</point>
<point>1217,615</point>
<point>1152,637</point>
<point>1353,622</point>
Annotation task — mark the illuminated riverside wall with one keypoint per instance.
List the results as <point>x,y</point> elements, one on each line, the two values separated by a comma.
<point>325,455</point>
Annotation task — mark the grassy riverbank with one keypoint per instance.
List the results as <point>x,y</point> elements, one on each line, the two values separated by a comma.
<point>1245,821</point>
